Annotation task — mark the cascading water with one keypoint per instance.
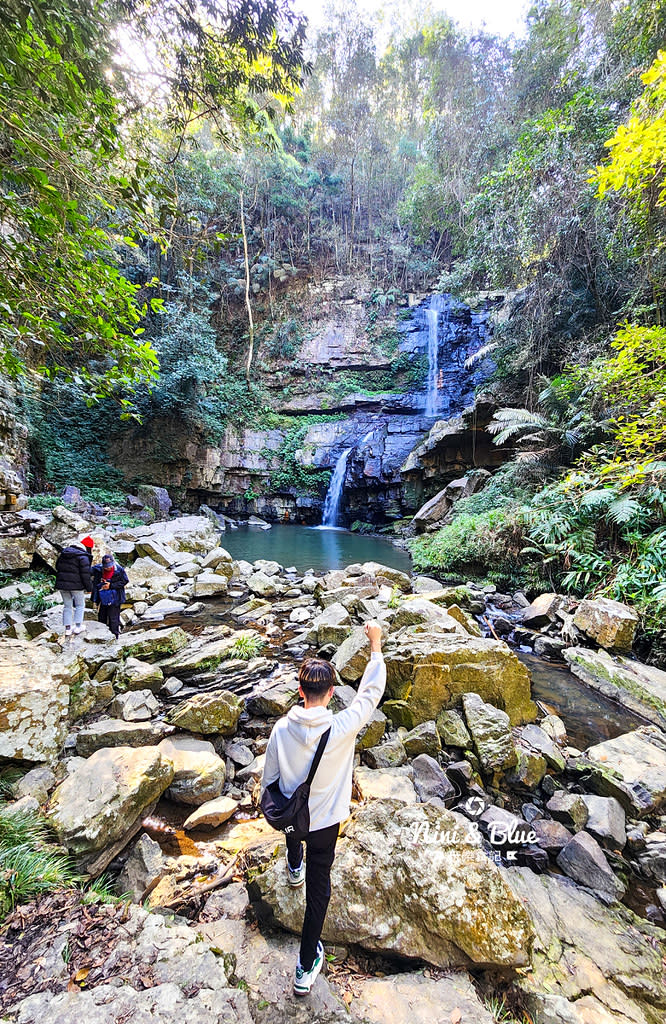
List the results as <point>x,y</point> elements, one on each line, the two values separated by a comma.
<point>335,489</point>
<point>438,304</point>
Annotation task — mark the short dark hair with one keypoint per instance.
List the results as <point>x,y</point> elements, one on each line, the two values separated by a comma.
<point>316,677</point>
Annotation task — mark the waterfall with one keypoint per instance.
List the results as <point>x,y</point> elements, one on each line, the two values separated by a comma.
<point>437,304</point>
<point>335,489</point>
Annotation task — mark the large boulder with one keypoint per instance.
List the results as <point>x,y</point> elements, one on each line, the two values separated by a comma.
<point>352,656</point>
<point>155,498</point>
<point>631,767</point>
<point>384,783</point>
<point>198,772</point>
<point>195,534</point>
<point>332,625</point>
<point>412,880</point>
<point>371,733</point>
<point>208,713</point>
<point>611,624</point>
<point>421,611</point>
<point>102,801</point>
<point>65,527</point>
<point>542,610</point>
<point>431,670</point>
<point>211,584</point>
<point>591,963</point>
<point>385,573</point>
<point>641,688</point>
<point>34,700</point>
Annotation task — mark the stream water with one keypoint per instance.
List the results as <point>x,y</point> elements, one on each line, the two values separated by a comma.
<point>588,716</point>
<point>307,547</point>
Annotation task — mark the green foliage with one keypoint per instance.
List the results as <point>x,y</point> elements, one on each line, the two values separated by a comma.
<point>29,865</point>
<point>485,545</point>
<point>294,473</point>
<point>42,583</point>
<point>43,502</point>
<point>245,647</point>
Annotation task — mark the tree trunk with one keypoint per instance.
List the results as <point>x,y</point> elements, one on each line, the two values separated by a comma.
<point>250,321</point>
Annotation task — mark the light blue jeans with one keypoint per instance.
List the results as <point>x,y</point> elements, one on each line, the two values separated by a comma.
<point>75,599</point>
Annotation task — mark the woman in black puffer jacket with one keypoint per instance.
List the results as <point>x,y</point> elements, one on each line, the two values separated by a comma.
<point>73,582</point>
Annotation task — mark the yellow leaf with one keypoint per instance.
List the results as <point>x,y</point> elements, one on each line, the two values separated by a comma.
<point>82,974</point>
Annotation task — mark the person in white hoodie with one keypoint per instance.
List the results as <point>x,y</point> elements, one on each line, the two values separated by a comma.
<point>289,754</point>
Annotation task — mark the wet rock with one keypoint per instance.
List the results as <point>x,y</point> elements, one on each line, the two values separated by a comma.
<point>198,773</point>
<point>144,865</point>
<point>112,732</point>
<point>379,784</point>
<point>455,906</point>
<point>34,700</point>
<point>431,671</point>
<point>139,675</point>
<point>584,861</point>
<point>430,781</point>
<point>212,814</point>
<point>550,647</point>
<point>606,820</point>
<point>103,799</point>
<point>611,624</point>
<point>569,808</point>
<point>452,730</point>
<point>641,688</point>
<point>386,755</point>
<point>491,734</point>
<point>631,767</point>
<point>423,739</point>
<point>217,712</point>
<point>135,706</point>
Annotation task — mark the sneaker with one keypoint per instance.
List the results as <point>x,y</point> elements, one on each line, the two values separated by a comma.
<point>295,876</point>
<point>68,630</point>
<point>304,980</point>
<point>80,629</point>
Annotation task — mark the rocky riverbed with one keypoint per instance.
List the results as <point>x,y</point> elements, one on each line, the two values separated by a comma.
<point>484,854</point>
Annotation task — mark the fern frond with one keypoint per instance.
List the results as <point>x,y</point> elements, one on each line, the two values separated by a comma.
<point>484,351</point>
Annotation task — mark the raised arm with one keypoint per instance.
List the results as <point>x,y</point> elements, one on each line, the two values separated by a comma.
<point>371,687</point>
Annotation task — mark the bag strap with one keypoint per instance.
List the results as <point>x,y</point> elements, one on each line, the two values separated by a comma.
<point>318,755</point>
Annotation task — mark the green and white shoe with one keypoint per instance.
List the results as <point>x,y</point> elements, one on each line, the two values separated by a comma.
<point>295,876</point>
<point>304,980</point>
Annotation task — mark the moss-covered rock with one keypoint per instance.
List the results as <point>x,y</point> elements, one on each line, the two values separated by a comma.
<point>440,898</point>
<point>641,688</point>
<point>208,713</point>
<point>431,670</point>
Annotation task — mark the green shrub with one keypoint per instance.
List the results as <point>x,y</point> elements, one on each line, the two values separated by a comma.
<point>43,502</point>
<point>29,864</point>
<point>484,546</point>
<point>245,647</point>
<point>42,583</point>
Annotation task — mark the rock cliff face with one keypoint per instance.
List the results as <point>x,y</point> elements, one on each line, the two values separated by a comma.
<point>359,399</point>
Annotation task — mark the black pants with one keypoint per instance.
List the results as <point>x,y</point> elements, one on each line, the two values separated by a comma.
<point>109,614</point>
<point>320,847</point>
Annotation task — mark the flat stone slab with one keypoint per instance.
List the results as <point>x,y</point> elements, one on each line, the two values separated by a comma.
<point>640,688</point>
<point>632,768</point>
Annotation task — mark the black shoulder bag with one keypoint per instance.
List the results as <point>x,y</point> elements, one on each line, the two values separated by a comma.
<point>291,814</point>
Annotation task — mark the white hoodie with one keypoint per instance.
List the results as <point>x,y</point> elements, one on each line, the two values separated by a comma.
<point>293,743</point>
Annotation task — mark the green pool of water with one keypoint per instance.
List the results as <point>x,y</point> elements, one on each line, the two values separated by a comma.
<point>308,547</point>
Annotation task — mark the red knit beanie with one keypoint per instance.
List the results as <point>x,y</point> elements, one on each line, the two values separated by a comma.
<point>88,542</point>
